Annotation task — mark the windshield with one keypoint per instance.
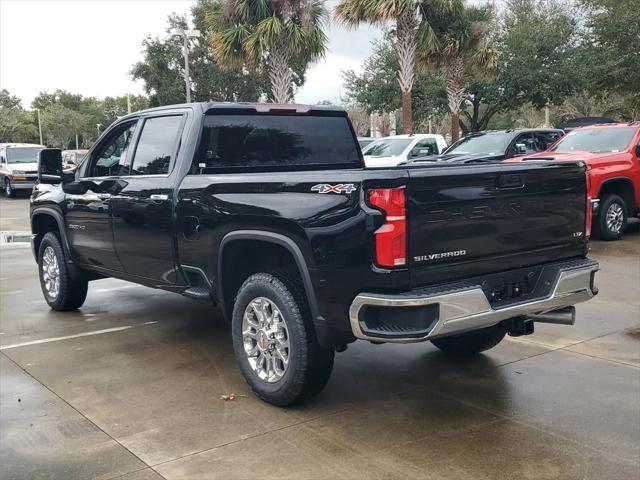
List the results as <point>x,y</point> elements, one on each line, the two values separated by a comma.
<point>23,154</point>
<point>387,147</point>
<point>490,143</point>
<point>596,140</point>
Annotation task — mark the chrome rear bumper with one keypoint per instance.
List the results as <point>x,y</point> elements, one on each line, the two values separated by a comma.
<point>467,309</point>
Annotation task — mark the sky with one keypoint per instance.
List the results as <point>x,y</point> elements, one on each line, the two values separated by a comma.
<point>89,46</point>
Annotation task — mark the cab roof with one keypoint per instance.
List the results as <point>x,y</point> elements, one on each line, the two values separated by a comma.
<point>258,107</point>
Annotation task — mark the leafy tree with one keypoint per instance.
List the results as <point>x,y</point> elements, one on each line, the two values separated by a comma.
<point>377,88</point>
<point>537,45</point>
<point>412,31</point>
<point>16,124</point>
<point>461,50</point>
<point>273,34</point>
<point>162,68</point>
<point>60,125</point>
<point>359,119</point>
<point>612,45</point>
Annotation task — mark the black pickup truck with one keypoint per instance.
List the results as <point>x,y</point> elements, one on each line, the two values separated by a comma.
<point>267,211</point>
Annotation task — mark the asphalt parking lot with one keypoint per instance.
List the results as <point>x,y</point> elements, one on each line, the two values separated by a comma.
<point>129,387</point>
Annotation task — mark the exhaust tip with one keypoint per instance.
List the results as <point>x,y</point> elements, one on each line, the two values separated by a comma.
<point>562,316</point>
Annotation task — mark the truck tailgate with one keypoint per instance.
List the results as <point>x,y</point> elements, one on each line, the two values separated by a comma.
<point>471,220</point>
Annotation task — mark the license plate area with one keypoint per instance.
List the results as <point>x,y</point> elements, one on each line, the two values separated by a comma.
<point>523,285</point>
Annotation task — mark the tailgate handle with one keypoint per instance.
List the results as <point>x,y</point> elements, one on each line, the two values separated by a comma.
<point>510,181</point>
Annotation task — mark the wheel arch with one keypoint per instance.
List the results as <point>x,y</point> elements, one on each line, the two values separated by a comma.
<point>622,186</point>
<point>269,243</point>
<point>45,220</point>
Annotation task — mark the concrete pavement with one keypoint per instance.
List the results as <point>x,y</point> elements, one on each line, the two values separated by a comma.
<point>129,387</point>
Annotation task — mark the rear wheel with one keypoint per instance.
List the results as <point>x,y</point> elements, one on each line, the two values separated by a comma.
<point>473,342</point>
<point>612,218</point>
<point>274,341</point>
<point>61,291</point>
<point>8,188</point>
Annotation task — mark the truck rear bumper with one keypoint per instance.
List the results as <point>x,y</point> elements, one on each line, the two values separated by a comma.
<point>459,307</point>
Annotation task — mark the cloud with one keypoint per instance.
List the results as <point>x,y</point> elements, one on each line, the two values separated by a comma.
<point>89,47</point>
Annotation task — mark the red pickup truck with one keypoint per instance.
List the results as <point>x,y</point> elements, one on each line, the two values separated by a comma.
<point>612,155</point>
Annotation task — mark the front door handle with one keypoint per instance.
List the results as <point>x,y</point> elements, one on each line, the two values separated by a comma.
<point>159,198</point>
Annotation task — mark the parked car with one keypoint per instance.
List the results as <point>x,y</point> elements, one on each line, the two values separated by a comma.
<point>72,158</point>
<point>390,151</point>
<point>496,145</point>
<point>273,216</point>
<point>364,141</point>
<point>570,124</point>
<point>612,154</point>
<point>18,166</point>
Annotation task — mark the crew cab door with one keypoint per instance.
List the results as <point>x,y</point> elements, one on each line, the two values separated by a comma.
<point>142,211</point>
<point>88,203</point>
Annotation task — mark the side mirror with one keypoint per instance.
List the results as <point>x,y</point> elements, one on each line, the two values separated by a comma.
<point>50,166</point>
<point>521,148</point>
<point>419,152</point>
<point>638,151</point>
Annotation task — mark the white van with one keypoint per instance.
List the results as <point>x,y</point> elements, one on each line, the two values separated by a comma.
<point>18,166</point>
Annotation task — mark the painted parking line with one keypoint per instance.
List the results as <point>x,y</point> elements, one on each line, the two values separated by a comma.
<point>68,337</point>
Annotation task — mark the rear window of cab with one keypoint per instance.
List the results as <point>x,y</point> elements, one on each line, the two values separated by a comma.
<point>269,142</point>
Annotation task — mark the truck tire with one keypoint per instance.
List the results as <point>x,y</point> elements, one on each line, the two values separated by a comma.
<point>274,341</point>
<point>612,218</point>
<point>60,290</point>
<point>8,188</point>
<point>473,342</point>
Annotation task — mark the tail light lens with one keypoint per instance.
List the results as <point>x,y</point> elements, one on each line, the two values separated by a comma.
<point>391,238</point>
<point>589,214</point>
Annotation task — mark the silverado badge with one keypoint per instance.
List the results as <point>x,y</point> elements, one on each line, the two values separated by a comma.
<point>339,188</point>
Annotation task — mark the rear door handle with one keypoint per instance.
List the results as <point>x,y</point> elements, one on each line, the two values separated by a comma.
<point>159,198</point>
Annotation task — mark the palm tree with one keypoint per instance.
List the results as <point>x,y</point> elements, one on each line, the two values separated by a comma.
<point>462,47</point>
<point>410,20</point>
<point>269,33</point>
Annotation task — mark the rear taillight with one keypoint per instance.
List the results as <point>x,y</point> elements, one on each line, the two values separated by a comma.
<point>391,238</point>
<point>589,214</point>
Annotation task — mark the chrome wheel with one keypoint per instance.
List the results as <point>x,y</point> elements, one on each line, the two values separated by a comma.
<point>51,272</point>
<point>266,339</point>
<point>615,218</point>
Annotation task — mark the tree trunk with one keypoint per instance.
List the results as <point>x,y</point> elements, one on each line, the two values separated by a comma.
<point>455,126</point>
<point>407,113</point>
<point>280,76</point>
<point>455,94</point>
<point>406,48</point>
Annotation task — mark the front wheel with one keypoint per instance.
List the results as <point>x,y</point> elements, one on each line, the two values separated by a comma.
<point>274,341</point>
<point>473,342</point>
<point>61,291</point>
<point>8,188</point>
<point>612,218</point>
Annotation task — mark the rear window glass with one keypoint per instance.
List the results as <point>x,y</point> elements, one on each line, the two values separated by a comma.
<point>268,141</point>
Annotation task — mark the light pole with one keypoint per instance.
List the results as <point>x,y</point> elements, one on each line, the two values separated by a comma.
<point>39,125</point>
<point>186,35</point>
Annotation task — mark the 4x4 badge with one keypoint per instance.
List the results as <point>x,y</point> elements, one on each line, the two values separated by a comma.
<point>339,188</point>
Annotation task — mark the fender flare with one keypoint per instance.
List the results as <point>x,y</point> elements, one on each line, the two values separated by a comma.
<point>323,333</point>
<point>57,216</point>
<point>625,180</point>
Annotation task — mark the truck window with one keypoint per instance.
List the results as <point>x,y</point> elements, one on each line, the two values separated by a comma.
<point>111,158</point>
<point>240,142</point>
<point>546,139</point>
<point>156,146</point>
<point>428,144</point>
